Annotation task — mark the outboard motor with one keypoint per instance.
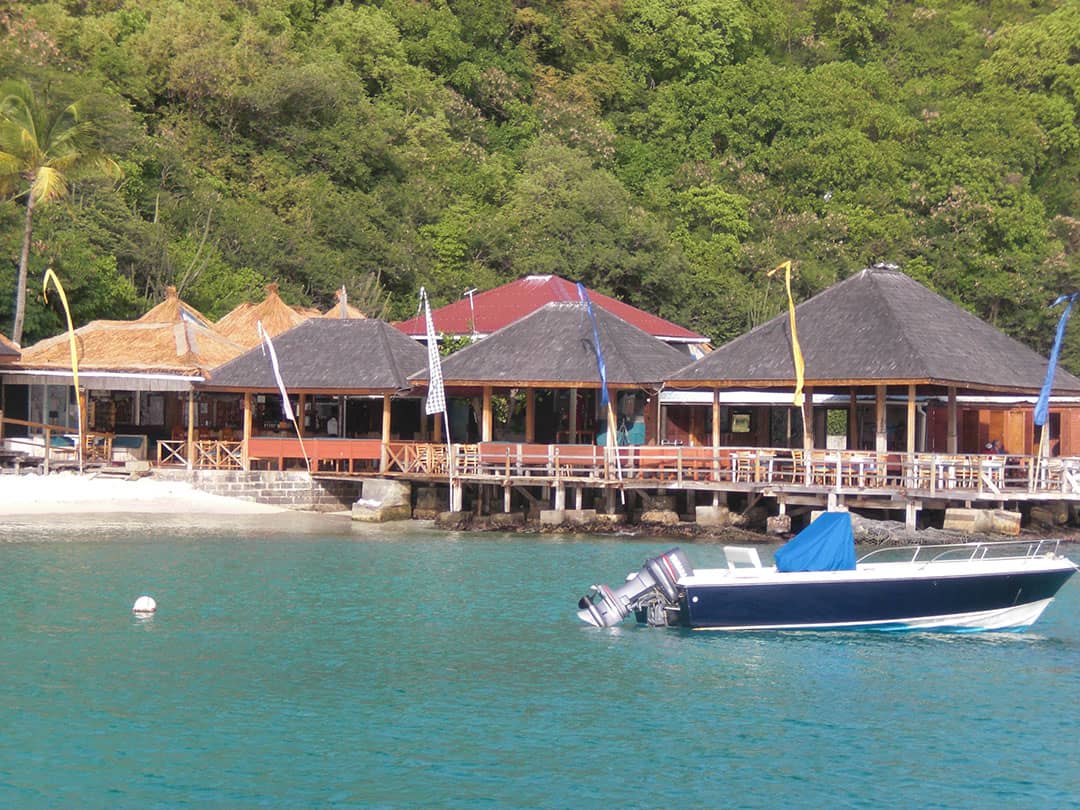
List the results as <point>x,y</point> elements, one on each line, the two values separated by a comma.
<point>655,586</point>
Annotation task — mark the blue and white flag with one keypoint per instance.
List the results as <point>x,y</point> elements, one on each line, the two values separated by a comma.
<point>436,398</point>
<point>583,294</point>
<point>286,406</point>
<point>1042,407</point>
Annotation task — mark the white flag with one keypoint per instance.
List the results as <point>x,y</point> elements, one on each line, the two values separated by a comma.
<point>286,406</point>
<point>436,398</point>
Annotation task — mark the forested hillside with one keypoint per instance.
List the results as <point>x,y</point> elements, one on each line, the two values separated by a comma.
<point>668,152</point>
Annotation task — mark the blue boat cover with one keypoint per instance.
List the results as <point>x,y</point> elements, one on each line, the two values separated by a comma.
<point>825,545</point>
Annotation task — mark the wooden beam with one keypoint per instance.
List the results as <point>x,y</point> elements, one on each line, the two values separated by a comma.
<point>485,429</point>
<point>853,420</point>
<point>530,415</point>
<point>384,454</point>
<point>191,429</point>
<point>881,429</point>
<point>950,444</point>
<point>244,457</point>
<point>808,418</point>
<point>573,416</point>
<point>911,419</point>
<point>716,417</point>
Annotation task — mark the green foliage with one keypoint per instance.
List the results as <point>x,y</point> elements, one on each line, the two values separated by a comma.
<point>665,151</point>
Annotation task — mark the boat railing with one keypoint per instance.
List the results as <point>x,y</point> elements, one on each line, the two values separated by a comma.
<point>964,552</point>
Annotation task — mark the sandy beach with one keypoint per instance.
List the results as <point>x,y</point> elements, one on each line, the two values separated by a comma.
<point>71,493</point>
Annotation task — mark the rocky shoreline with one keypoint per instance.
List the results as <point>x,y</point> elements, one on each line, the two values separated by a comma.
<point>871,533</point>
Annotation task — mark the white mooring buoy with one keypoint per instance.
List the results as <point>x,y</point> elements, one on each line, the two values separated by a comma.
<point>144,606</point>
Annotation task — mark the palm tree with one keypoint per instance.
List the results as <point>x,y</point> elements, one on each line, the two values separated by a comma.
<point>40,151</point>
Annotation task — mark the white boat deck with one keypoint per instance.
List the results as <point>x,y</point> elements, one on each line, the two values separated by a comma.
<point>928,568</point>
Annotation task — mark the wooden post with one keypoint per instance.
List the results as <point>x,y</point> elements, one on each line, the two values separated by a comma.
<point>853,420</point>
<point>438,419</point>
<point>301,423</point>
<point>911,420</point>
<point>808,419</point>
<point>245,456</point>
<point>716,417</point>
<point>530,415</point>
<point>485,428</point>
<point>950,445</point>
<point>881,433</point>
<point>191,429</point>
<point>84,440</point>
<point>384,453</point>
<point>573,416</point>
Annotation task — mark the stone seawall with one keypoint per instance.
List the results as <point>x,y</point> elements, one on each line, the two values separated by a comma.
<point>293,490</point>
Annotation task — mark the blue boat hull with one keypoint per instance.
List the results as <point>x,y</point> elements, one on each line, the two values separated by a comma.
<point>897,604</point>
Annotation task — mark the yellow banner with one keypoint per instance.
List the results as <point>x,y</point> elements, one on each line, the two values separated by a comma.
<point>49,274</point>
<point>796,350</point>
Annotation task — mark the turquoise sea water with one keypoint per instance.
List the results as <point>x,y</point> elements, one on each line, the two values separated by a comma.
<point>312,663</point>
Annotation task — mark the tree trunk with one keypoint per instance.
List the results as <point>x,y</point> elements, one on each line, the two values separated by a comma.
<point>20,285</point>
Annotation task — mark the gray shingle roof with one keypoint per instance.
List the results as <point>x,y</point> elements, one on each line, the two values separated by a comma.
<point>8,351</point>
<point>554,345</point>
<point>878,326</point>
<point>329,354</point>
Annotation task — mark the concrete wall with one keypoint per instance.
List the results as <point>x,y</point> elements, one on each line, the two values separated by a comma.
<point>294,490</point>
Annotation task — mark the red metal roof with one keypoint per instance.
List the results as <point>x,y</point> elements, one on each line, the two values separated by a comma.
<point>501,306</point>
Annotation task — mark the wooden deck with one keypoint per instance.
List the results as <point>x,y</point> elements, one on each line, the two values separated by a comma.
<point>781,472</point>
<point>767,471</point>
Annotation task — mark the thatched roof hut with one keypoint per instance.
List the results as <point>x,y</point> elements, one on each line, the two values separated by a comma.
<point>878,327</point>
<point>554,347</point>
<point>343,310</point>
<point>173,310</point>
<point>133,346</point>
<point>272,312</point>
<point>365,356</point>
<point>165,349</point>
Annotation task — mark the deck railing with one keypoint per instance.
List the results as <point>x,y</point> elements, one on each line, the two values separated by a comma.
<point>842,471</point>
<point>752,469</point>
<point>58,444</point>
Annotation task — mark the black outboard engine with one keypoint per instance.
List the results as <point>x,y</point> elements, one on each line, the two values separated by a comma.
<point>654,589</point>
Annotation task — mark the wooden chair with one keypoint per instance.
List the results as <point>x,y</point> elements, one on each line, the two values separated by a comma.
<point>742,466</point>
<point>470,459</point>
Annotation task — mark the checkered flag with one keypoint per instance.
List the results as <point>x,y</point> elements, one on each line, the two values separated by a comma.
<point>436,398</point>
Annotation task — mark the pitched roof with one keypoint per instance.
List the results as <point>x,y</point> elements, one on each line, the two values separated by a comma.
<point>176,348</point>
<point>9,352</point>
<point>878,326</point>
<point>329,355</point>
<point>493,309</point>
<point>173,310</point>
<point>273,313</point>
<point>555,345</point>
